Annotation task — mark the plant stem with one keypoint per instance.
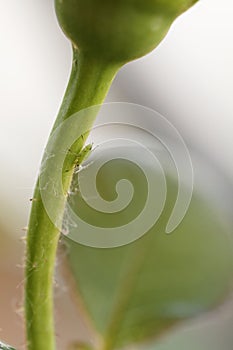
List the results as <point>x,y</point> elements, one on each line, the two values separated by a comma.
<point>89,82</point>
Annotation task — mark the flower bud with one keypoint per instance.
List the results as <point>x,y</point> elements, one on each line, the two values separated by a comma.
<point>118,30</point>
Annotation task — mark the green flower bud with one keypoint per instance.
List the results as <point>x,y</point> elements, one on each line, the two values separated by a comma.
<point>118,30</point>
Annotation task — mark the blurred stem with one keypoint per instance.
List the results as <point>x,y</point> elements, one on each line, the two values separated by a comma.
<point>88,86</point>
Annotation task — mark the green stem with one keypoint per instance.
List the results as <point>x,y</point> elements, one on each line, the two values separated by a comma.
<point>88,86</point>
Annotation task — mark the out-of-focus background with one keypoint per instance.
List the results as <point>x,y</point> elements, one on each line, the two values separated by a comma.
<point>188,79</point>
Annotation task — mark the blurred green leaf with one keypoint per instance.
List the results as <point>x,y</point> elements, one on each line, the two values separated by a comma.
<point>137,291</point>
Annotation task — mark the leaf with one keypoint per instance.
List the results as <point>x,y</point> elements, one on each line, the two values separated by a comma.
<point>5,347</point>
<point>135,292</point>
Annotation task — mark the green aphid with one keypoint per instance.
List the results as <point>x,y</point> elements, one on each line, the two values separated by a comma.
<point>83,155</point>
